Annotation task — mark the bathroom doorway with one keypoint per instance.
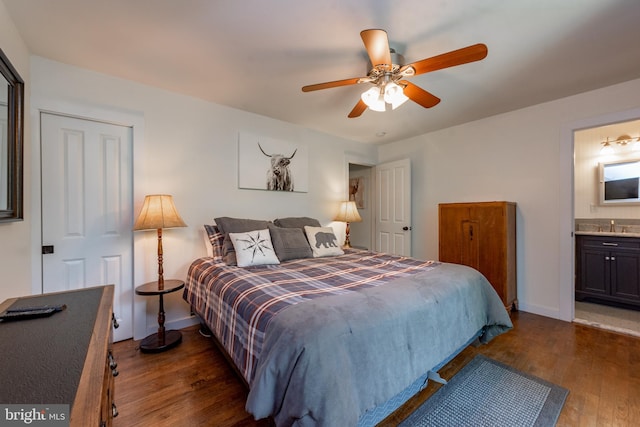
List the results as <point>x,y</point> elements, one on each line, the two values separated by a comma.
<point>592,146</point>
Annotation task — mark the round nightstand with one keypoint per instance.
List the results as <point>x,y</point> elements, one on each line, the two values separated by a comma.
<point>162,340</point>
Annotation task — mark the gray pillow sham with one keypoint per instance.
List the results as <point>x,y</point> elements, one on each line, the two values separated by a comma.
<point>296,222</point>
<point>290,243</point>
<point>228,225</point>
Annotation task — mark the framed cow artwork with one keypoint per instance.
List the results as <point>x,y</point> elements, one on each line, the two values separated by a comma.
<point>270,164</point>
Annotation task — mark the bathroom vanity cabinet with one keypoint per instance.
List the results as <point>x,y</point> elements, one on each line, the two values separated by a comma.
<point>608,268</point>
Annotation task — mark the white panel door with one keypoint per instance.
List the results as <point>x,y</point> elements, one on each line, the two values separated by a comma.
<point>87,204</point>
<point>393,202</point>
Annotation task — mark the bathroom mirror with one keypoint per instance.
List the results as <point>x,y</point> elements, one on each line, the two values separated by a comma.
<point>620,182</point>
<point>11,134</point>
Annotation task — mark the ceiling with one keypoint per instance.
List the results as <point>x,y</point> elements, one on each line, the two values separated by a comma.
<point>255,55</point>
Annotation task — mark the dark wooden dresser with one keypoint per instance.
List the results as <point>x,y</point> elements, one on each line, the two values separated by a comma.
<point>64,358</point>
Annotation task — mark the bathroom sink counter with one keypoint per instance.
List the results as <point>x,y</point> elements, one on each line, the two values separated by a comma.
<point>607,233</point>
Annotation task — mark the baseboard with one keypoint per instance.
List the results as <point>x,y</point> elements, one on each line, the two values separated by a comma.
<point>182,323</point>
<point>175,324</point>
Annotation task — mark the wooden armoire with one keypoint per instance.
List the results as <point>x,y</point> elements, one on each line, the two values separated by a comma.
<point>482,235</point>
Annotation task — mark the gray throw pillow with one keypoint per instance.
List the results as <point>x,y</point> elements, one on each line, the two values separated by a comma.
<point>228,225</point>
<point>290,243</point>
<point>296,222</point>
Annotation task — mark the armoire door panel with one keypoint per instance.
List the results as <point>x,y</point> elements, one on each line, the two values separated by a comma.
<point>482,235</point>
<point>470,244</point>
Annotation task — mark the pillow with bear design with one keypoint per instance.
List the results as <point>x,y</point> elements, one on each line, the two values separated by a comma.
<point>323,241</point>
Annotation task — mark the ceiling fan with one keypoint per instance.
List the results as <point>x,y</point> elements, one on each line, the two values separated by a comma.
<point>388,74</point>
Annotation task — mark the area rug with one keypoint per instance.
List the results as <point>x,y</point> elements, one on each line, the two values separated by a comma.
<point>489,393</point>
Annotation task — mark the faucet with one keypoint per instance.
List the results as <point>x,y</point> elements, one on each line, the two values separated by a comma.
<point>612,229</point>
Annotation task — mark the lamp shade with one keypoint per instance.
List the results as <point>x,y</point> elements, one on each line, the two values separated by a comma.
<point>158,211</point>
<point>348,212</point>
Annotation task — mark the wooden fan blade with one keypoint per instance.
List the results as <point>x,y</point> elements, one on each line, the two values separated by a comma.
<point>358,110</point>
<point>377,44</point>
<point>419,95</point>
<point>327,85</point>
<point>465,55</point>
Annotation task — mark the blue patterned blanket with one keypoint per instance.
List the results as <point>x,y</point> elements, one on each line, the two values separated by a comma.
<point>320,340</point>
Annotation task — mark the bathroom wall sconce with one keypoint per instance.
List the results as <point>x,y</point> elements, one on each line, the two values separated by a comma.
<point>622,140</point>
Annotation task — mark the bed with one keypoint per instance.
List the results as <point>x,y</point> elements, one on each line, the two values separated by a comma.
<point>335,340</point>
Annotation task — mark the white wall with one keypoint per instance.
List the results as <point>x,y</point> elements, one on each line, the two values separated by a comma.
<point>15,241</point>
<point>188,148</point>
<point>524,156</point>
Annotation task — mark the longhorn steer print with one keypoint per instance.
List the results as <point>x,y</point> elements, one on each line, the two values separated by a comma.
<point>279,176</point>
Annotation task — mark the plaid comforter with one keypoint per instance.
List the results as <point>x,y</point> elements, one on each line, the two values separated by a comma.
<point>238,303</point>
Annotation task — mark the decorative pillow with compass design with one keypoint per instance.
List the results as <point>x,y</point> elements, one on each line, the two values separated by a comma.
<point>254,248</point>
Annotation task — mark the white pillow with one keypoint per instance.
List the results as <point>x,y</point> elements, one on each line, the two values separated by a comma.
<point>254,248</point>
<point>207,244</point>
<point>323,241</point>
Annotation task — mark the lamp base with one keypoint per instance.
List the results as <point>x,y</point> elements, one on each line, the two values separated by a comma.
<point>347,243</point>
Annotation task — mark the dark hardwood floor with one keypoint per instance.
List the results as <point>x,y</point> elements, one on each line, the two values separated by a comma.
<point>192,385</point>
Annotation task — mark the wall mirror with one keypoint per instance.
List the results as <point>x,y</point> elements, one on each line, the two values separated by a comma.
<point>11,134</point>
<point>620,182</point>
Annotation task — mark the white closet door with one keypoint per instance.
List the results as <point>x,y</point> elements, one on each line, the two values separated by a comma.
<point>87,206</point>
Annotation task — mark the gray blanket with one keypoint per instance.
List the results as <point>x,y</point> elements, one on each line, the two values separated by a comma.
<point>325,362</point>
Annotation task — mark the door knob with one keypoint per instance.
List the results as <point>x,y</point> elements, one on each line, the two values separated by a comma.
<point>405,228</point>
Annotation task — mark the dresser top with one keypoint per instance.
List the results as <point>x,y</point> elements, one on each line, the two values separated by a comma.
<point>43,358</point>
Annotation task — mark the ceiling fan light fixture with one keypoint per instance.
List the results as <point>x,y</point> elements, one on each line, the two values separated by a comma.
<point>374,99</point>
<point>378,98</point>
<point>391,91</point>
<point>400,99</point>
<point>394,95</point>
<point>386,66</point>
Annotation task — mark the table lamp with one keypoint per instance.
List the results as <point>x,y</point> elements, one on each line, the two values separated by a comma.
<point>158,212</point>
<point>348,213</point>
